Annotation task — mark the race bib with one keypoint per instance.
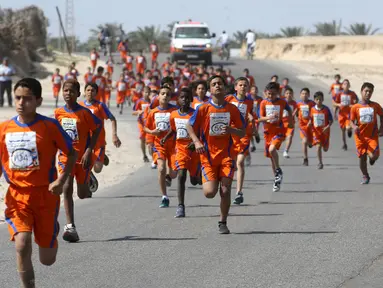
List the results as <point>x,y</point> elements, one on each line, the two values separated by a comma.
<point>336,89</point>
<point>93,57</point>
<point>69,76</point>
<point>57,80</point>
<point>305,110</point>
<point>182,133</point>
<point>173,102</point>
<point>273,110</point>
<point>242,107</point>
<point>366,115</point>
<point>22,150</point>
<point>162,121</point>
<point>129,59</point>
<point>90,77</point>
<point>228,80</point>
<point>154,48</point>
<point>345,100</point>
<point>155,73</point>
<point>285,113</point>
<point>217,122</point>
<point>143,106</point>
<point>121,87</point>
<point>140,59</point>
<point>99,83</point>
<point>70,127</point>
<point>319,120</point>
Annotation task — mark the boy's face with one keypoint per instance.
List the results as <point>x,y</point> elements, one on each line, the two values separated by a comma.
<point>146,93</point>
<point>171,86</point>
<point>217,87</point>
<point>285,82</point>
<point>122,78</point>
<point>26,102</point>
<point>152,95</point>
<point>304,95</point>
<point>271,94</point>
<point>99,73</point>
<point>367,93</point>
<point>319,100</point>
<point>164,96</point>
<point>201,91</point>
<point>345,85</point>
<point>183,99</point>
<point>274,79</point>
<point>246,73</point>
<point>241,87</point>
<point>90,93</point>
<point>337,79</point>
<point>288,94</point>
<point>70,93</point>
<point>253,91</point>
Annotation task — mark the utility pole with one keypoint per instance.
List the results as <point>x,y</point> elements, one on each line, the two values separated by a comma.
<point>69,50</point>
<point>69,23</point>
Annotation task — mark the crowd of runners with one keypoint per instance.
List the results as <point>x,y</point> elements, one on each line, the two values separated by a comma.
<point>191,120</point>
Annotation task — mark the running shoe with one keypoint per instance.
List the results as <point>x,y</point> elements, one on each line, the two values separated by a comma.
<point>70,233</point>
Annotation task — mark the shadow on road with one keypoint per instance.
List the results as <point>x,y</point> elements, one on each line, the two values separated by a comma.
<point>132,196</point>
<point>233,215</point>
<point>137,238</point>
<point>285,232</point>
<point>320,191</point>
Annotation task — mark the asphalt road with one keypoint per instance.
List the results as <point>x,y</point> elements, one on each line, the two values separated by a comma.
<point>323,229</point>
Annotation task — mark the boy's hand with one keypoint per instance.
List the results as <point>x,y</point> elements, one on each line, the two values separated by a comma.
<point>156,132</point>
<point>86,159</point>
<point>199,148</point>
<point>226,129</point>
<point>56,187</point>
<point>116,141</point>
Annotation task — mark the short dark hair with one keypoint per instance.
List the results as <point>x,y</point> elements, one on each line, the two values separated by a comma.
<point>32,84</point>
<point>288,88</point>
<point>367,85</point>
<point>100,69</point>
<point>272,86</point>
<point>94,85</point>
<point>187,91</point>
<point>214,77</point>
<point>274,76</point>
<point>199,82</point>
<point>74,82</point>
<point>167,79</point>
<point>305,89</point>
<point>318,94</point>
<point>242,79</point>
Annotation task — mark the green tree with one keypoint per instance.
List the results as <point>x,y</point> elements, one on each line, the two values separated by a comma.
<point>239,37</point>
<point>361,29</point>
<point>295,31</point>
<point>115,30</point>
<point>141,38</point>
<point>328,28</point>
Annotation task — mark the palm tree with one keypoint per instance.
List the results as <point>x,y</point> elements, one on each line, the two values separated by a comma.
<point>239,37</point>
<point>295,31</point>
<point>361,29</point>
<point>143,36</point>
<point>114,31</point>
<point>328,28</point>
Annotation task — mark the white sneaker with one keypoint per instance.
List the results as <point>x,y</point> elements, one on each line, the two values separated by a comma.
<point>154,165</point>
<point>248,161</point>
<point>70,233</point>
<point>286,154</point>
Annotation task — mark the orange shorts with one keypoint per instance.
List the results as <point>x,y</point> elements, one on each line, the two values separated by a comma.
<point>367,146</point>
<point>56,91</point>
<point>107,96</point>
<point>272,139</point>
<point>306,132</point>
<point>220,168</point>
<point>165,152</point>
<point>154,56</point>
<point>120,99</point>
<point>186,159</point>
<point>99,154</point>
<point>344,120</point>
<point>149,138</point>
<point>321,139</point>
<point>82,176</point>
<point>141,131</point>
<point>288,131</point>
<point>93,63</point>
<point>241,145</point>
<point>33,209</point>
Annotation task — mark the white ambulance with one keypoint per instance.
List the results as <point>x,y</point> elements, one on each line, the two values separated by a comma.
<point>191,42</point>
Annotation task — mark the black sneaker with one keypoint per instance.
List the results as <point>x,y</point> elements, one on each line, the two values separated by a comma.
<point>305,162</point>
<point>93,184</point>
<point>257,139</point>
<point>106,160</point>
<point>238,198</point>
<point>222,228</point>
<point>194,181</point>
<point>349,133</point>
<point>168,181</point>
<point>146,159</point>
<point>320,166</point>
<point>372,162</point>
<point>180,212</point>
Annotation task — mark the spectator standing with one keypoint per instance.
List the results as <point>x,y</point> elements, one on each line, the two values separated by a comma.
<point>6,73</point>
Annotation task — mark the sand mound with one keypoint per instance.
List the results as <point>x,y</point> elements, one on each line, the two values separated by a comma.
<point>356,50</point>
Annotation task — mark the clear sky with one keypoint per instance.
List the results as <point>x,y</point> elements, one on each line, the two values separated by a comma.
<point>229,15</point>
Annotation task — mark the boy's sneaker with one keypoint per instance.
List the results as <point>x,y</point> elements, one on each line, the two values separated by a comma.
<point>349,133</point>
<point>93,183</point>
<point>276,187</point>
<point>286,154</point>
<point>164,202</point>
<point>305,162</point>
<point>222,228</point>
<point>365,179</point>
<point>238,198</point>
<point>278,180</point>
<point>180,212</point>
<point>154,165</point>
<point>146,159</point>
<point>372,161</point>
<point>106,160</point>
<point>70,233</point>
<point>320,166</point>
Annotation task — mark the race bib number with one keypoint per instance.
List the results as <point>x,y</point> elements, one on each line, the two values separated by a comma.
<point>93,57</point>
<point>242,107</point>
<point>305,110</point>
<point>162,121</point>
<point>22,150</point>
<point>139,88</point>
<point>154,48</point>
<point>366,115</point>
<point>273,110</point>
<point>217,122</point>
<point>129,60</point>
<point>140,59</point>
<point>319,120</point>
<point>121,87</point>
<point>182,133</point>
<point>69,76</point>
<point>144,106</point>
<point>90,77</point>
<point>99,83</point>
<point>345,100</point>
<point>57,80</point>
<point>70,127</point>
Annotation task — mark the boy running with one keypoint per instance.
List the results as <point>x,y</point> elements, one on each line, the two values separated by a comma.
<point>365,123</point>
<point>78,122</point>
<point>215,122</point>
<point>289,132</point>
<point>256,103</point>
<point>28,146</point>
<point>158,124</point>
<point>185,159</point>
<point>57,81</point>
<point>241,145</point>
<point>320,121</point>
<point>303,111</point>
<point>100,80</point>
<point>271,114</point>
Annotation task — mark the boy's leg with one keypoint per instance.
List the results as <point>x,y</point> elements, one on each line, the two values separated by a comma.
<point>319,153</point>
<point>344,147</point>
<point>273,150</point>
<point>99,157</point>
<point>240,178</point>
<point>23,244</point>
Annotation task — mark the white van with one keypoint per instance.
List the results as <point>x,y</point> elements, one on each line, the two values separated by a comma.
<point>191,42</point>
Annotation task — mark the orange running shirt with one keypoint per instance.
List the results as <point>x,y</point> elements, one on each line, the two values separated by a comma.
<point>366,118</point>
<point>347,99</point>
<point>293,106</point>
<point>178,123</point>
<point>320,118</point>
<point>28,151</point>
<point>208,121</point>
<point>160,118</point>
<point>78,123</point>
<point>304,109</point>
<point>196,102</point>
<point>101,83</point>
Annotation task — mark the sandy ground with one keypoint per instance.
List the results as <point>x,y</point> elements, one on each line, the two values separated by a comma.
<point>123,161</point>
